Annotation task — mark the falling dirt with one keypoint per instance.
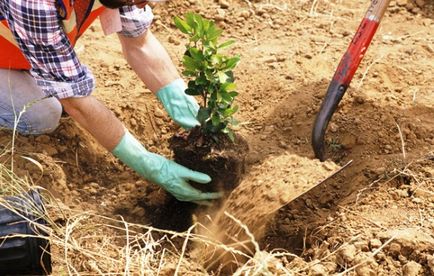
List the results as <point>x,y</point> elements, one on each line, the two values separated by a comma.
<point>376,217</point>
<point>274,184</point>
<point>243,218</point>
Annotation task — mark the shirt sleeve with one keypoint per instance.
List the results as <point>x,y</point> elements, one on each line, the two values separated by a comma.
<point>41,38</point>
<point>135,21</point>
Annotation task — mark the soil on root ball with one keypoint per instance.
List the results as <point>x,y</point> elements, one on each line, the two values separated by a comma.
<point>222,159</point>
<point>166,212</point>
<point>219,157</point>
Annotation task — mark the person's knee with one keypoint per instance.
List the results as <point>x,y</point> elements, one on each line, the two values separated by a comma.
<point>43,116</point>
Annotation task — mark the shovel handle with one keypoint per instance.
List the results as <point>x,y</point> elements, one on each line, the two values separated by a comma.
<point>345,71</point>
<point>360,42</point>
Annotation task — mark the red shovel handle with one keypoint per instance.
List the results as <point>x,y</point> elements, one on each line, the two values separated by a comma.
<point>345,71</point>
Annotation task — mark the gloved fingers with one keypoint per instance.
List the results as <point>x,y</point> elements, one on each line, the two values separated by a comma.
<point>187,124</point>
<point>192,104</point>
<point>199,177</point>
<point>203,202</point>
<point>186,192</point>
<point>195,176</point>
<point>207,196</point>
<point>199,197</point>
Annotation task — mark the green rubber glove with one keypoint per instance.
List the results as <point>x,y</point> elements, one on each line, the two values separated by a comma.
<point>181,107</point>
<point>166,173</point>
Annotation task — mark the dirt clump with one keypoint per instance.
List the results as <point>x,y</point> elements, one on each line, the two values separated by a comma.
<point>219,157</point>
<point>223,160</point>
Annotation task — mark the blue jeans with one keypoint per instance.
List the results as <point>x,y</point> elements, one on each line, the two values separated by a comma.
<point>23,104</point>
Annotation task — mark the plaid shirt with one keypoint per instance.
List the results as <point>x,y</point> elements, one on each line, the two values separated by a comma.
<point>55,66</point>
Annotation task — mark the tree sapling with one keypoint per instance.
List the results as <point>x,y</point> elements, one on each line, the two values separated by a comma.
<point>210,74</point>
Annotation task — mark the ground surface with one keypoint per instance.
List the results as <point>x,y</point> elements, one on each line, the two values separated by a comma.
<point>375,217</point>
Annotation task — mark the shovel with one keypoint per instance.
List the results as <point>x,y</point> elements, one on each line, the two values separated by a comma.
<point>345,72</point>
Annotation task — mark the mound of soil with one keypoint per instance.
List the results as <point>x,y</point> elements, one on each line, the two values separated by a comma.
<point>219,157</point>
<point>268,187</point>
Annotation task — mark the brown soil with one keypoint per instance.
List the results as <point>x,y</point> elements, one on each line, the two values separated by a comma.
<point>374,218</point>
<point>222,159</point>
<point>219,157</point>
<point>255,202</point>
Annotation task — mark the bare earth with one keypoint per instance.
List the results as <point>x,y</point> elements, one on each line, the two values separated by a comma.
<point>376,217</point>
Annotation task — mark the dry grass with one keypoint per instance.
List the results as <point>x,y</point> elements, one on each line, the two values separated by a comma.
<point>86,243</point>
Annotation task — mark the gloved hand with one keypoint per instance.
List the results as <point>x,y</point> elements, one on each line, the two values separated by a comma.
<point>181,107</point>
<point>161,171</point>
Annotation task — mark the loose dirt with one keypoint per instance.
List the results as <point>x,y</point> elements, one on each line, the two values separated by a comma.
<point>246,213</point>
<point>274,184</point>
<point>375,218</point>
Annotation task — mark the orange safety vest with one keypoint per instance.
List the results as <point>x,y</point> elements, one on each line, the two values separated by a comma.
<point>76,18</point>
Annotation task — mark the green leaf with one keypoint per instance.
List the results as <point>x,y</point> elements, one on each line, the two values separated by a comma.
<point>203,115</point>
<point>201,80</point>
<point>213,32</point>
<point>209,75</point>
<point>182,25</point>
<point>208,51</point>
<point>215,60</point>
<point>226,44</point>
<point>232,62</point>
<point>229,86</point>
<point>230,111</point>
<point>193,91</point>
<point>212,45</point>
<point>233,94</point>
<point>190,64</point>
<point>189,18</point>
<point>199,24</point>
<point>215,120</point>
<point>222,76</point>
<point>230,75</point>
<point>226,97</point>
<point>206,24</point>
<point>195,54</point>
<point>188,73</point>
<point>195,38</point>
